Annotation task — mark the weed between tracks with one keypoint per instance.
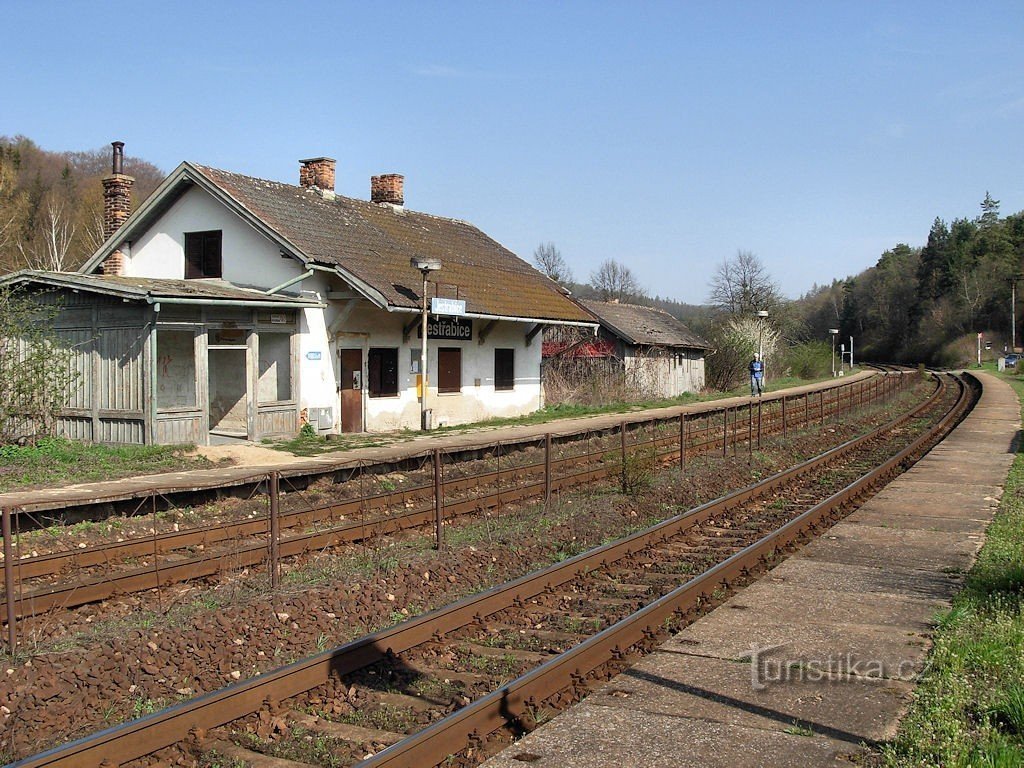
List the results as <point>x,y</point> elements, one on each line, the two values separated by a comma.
<point>969,707</point>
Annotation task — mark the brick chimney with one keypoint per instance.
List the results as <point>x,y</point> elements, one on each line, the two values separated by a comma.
<point>117,206</point>
<point>388,188</point>
<point>318,173</point>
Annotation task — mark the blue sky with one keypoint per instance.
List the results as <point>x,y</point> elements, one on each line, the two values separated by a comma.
<point>665,135</point>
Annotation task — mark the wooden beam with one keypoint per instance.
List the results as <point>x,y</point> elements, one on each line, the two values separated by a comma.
<point>482,336</point>
<point>408,328</point>
<point>533,332</point>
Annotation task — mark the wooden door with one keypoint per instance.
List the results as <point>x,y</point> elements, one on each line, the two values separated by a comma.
<point>351,390</point>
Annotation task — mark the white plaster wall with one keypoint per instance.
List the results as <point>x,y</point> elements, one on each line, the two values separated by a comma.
<point>368,327</point>
<point>248,258</point>
<point>317,378</point>
<point>251,260</point>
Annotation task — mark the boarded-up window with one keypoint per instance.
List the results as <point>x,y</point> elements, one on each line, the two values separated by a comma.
<point>202,254</point>
<point>275,367</point>
<point>175,369</point>
<point>449,369</point>
<point>382,368</point>
<point>504,368</point>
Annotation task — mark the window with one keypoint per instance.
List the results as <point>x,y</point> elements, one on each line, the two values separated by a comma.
<point>504,368</point>
<point>449,369</point>
<point>275,367</point>
<point>202,254</point>
<point>382,365</point>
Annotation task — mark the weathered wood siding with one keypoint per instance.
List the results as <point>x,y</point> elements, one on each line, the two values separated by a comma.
<point>107,338</point>
<point>172,430</point>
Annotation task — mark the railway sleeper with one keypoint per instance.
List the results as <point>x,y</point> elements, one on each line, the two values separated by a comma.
<point>357,734</point>
<point>496,652</point>
<point>240,754</point>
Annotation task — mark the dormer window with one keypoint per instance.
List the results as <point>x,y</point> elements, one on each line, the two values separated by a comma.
<point>202,254</point>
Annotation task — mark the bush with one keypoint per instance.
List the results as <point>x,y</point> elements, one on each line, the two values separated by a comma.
<point>35,374</point>
<point>810,360</point>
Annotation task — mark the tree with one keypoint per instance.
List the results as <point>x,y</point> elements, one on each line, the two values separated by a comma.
<point>549,261</point>
<point>614,281</point>
<point>989,212</point>
<point>35,373</point>
<point>741,286</point>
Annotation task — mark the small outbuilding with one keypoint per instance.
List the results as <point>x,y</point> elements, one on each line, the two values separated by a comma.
<point>654,353</point>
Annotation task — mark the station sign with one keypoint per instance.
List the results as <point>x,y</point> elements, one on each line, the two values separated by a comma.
<point>448,328</point>
<point>447,306</point>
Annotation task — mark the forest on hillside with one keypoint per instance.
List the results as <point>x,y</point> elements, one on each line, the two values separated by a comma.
<point>51,203</point>
<point>928,304</point>
<point>916,305</point>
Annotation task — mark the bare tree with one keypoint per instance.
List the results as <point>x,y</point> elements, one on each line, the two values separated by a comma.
<point>59,232</point>
<point>549,261</point>
<point>615,281</point>
<point>741,286</point>
<point>55,235</point>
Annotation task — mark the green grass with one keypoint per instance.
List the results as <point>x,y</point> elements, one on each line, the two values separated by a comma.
<point>969,707</point>
<point>56,461</point>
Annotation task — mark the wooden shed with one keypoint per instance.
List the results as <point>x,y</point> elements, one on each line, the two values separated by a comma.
<point>161,361</point>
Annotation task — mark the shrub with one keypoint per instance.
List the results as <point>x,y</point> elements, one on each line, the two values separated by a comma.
<point>35,370</point>
<point>810,360</point>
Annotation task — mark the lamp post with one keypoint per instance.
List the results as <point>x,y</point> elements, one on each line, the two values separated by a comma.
<point>1013,311</point>
<point>762,316</point>
<point>425,266</point>
<point>833,332</point>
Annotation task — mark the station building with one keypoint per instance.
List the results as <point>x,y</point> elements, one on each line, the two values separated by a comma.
<point>228,307</point>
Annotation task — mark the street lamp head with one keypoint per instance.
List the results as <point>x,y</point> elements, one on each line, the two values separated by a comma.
<point>762,313</point>
<point>425,265</point>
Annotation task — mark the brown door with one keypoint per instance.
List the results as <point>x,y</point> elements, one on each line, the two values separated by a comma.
<point>351,390</point>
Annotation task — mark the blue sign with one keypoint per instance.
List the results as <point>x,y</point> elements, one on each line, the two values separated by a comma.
<point>312,355</point>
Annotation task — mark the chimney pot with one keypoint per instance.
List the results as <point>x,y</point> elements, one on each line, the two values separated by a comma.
<point>117,164</point>
<point>388,188</point>
<point>317,173</point>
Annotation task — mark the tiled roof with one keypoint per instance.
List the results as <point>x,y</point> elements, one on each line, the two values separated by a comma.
<point>157,288</point>
<point>374,243</point>
<point>644,325</point>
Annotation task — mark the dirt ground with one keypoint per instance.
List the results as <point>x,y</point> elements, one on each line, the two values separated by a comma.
<point>247,454</point>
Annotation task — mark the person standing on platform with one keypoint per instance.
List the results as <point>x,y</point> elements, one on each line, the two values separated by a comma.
<point>756,368</point>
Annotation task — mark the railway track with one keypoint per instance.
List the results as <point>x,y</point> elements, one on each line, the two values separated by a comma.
<point>60,580</point>
<point>436,686</point>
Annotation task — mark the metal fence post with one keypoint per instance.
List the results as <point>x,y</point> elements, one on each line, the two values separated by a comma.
<point>622,441</point>
<point>438,502</point>
<point>759,422</point>
<point>274,481</point>
<point>785,426</point>
<point>547,469</point>
<point>750,428</point>
<point>725,432</point>
<point>12,626</point>
<point>682,442</point>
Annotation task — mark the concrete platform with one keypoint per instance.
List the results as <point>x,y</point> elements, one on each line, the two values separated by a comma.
<point>40,499</point>
<point>815,662</point>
